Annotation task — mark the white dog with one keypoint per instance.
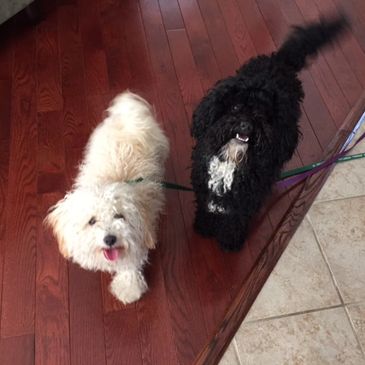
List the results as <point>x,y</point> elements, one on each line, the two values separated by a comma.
<point>108,221</point>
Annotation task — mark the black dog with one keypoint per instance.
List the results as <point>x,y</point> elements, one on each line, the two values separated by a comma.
<point>246,128</point>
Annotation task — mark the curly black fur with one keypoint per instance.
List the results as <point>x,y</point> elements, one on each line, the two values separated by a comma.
<point>261,101</point>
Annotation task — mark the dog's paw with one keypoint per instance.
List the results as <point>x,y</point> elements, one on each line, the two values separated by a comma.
<point>128,286</point>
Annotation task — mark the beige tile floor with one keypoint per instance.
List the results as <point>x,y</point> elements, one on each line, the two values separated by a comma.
<point>312,308</point>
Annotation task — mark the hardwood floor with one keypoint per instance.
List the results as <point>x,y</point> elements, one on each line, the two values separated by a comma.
<point>56,78</point>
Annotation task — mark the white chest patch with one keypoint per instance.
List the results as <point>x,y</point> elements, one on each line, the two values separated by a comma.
<point>220,175</point>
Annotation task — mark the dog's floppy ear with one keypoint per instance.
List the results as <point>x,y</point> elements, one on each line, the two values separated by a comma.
<point>53,220</point>
<point>212,107</point>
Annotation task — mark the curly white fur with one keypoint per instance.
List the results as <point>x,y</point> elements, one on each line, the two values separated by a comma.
<point>126,146</point>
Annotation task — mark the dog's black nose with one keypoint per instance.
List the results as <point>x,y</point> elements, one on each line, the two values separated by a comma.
<point>246,128</point>
<point>110,239</point>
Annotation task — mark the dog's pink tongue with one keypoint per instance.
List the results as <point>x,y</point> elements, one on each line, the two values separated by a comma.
<point>111,254</point>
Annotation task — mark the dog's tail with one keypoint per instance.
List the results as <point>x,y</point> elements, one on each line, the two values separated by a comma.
<point>308,40</point>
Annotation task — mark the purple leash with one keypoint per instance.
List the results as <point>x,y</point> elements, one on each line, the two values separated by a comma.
<point>297,178</point>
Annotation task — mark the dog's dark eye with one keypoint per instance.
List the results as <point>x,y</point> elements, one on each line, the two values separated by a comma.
<point>92,221</point>
<point>119,216</point>
<point>235,108</point>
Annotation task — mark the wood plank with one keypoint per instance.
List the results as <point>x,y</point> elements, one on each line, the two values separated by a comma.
<point>186,71</point>
<point>49,95</point>
<point>349,45</point>
<point>87,341</point>
<point>4,150</point>
<point>351,8</point>
<point>5,102</point>
<point>120,338</point>
<point>17,350</point>
<point>256,26</point>
<point>219,37</point>
<point>309,148</point>
<point>114,36</point>
<point>4,173</point>
<point>96,106</point>
<point>322,75</point>
<point>51,154</point>
<point>95,65</point>
<point>171,14</point>
<point>200,43</point>
<point>5,52</point>
<point>142,79</point>
<point>154,326</point>
<point>18,301</point>
<point>346,79</point>
<point>71,55</point>
<point>237,30</point>
<point>52,333</point>
<point>76,127</point>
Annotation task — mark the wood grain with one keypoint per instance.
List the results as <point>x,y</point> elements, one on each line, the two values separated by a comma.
<point>51,153</point>
<point>17,350</point>
<point>49,94</point>
<point>171,14</point>
<point>219,37</point>
<point>4,165</point>
<point>190,86</point>
<point>205,60</point>
<point>237,30</point>
<point>114,37</point>
<point>96,73</point>
<point>52,333</point>
<point>155,328</point>
<point>87,341</point>
<point>17,317</point>
<point>5,97</point>
<point>256,26</point>
<point>336,60</point>
<point>121,333</point>
<point>76,129</point>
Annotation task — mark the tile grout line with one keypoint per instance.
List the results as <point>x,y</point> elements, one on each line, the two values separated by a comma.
<point>362,349</point>
<point>344,305</point>
<point>325,258</point>
<point>295,314</point>
<point>318,202</point>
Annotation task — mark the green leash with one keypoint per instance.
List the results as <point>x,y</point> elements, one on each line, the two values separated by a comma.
<point>300,170</point>
<point>284,175</point>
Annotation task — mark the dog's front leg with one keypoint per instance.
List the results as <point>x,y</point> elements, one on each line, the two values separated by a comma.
<point>128,285</point>
<point>232,232</point>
